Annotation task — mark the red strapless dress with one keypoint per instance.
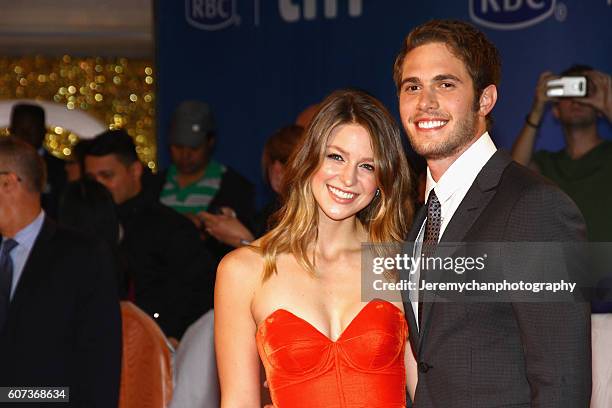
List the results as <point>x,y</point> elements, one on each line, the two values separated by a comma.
<point>363,368</point>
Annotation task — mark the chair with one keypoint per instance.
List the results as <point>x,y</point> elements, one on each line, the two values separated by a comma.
<point>146,367</point>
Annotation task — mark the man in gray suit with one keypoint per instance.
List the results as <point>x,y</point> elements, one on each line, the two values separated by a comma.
<point>493,354</point>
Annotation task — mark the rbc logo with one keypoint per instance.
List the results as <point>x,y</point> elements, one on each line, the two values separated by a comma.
<point>211,15</point>
<point>510,14</point>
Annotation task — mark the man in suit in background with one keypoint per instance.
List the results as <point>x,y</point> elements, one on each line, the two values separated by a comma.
<point>60,323</point>
<point>28,124</point>
<point>519,354</point>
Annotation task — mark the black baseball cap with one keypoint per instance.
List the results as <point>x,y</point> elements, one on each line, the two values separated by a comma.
<point>192,124</point>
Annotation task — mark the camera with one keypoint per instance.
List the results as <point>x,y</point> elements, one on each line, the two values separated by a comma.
<point>567,86</point>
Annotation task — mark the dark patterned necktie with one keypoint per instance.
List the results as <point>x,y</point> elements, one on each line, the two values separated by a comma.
<point>6,278</point>
<point>430,239</point>
<point>432,227</point>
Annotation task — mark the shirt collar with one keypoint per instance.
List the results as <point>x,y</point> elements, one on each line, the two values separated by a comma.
<point>26,236</point>
<point>464,170</point>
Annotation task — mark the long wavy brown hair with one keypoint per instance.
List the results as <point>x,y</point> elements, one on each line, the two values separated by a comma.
<point>388,216</point>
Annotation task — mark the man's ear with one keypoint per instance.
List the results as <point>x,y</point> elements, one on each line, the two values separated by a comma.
<point>487,100</point>
<point>136,169</point>
<point>9,182</point>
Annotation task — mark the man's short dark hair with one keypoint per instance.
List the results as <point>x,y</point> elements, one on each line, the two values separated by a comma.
<point>576,69</point>
<point>21,158</point>
<point>116,142</point>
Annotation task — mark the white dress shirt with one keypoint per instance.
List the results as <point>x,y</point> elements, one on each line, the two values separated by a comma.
<point>25,239</point>
<point>451,189</point>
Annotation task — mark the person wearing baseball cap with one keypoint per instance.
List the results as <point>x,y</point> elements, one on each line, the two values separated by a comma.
<point>196,182</point>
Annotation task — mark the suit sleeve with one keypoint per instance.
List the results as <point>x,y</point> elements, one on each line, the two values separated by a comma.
<point>98,328</point>
<point>555,336</point>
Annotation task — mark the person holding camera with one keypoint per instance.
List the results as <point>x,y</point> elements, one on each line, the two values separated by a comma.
<point>584,165</point>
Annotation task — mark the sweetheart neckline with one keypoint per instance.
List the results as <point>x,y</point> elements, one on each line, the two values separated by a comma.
<point>319,331</point>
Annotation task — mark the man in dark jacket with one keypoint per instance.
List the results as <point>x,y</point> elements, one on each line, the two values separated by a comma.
<point>28,124</point>
<point>168,268</point>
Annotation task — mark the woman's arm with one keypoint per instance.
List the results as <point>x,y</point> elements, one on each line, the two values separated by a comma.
<point>411,370</point>
<point>237,358</point>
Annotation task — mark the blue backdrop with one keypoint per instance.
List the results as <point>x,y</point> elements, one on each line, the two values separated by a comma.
<point>260,62</point>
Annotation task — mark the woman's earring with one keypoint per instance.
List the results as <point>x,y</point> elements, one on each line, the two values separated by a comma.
<point>377,192</point>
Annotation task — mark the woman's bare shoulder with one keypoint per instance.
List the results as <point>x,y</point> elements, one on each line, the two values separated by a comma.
<point>242,265</point>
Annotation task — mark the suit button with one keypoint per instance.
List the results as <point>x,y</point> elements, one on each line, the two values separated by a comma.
<point>423,367</point>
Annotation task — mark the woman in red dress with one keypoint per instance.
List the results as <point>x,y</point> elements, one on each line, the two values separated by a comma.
<point>293,298</point>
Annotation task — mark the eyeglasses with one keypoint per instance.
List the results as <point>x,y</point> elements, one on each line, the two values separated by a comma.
<point>5,172</point>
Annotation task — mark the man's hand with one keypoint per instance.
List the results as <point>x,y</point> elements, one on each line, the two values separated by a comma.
<point>601,96</point>
<point>225,227</point>
<point>541,99</point>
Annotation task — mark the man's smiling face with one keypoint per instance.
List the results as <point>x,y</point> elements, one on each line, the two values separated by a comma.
<point>437,102</point>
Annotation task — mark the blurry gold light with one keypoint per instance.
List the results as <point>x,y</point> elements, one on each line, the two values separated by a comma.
<point>103,87</point>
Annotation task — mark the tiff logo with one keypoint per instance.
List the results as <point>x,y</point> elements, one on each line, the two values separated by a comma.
<point>292,12</point>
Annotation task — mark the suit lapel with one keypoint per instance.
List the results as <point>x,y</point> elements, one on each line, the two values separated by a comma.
<point>475,201</point>
<point>34,266</point>
<point>408,311</point>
